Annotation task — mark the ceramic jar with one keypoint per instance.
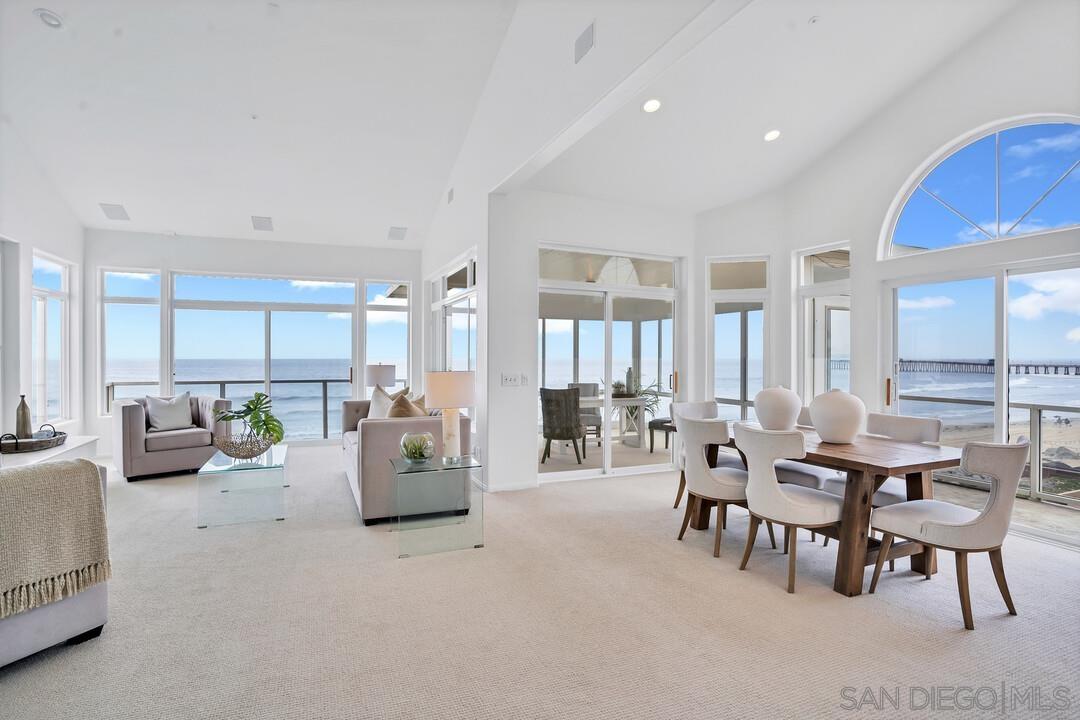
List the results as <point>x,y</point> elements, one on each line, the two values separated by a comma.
<point>837,416</point>
<point>777,408</point>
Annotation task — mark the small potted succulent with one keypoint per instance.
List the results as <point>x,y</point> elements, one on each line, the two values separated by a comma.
<point>417,448</point>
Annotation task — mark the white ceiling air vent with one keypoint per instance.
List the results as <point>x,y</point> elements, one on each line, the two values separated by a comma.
<point>584,42</point>
<point>396,234</point>
<point>260,222</point>
<point>114,212</point>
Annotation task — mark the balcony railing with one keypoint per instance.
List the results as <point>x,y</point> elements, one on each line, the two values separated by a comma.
<point>1036,469</point>
<point>223,386</point>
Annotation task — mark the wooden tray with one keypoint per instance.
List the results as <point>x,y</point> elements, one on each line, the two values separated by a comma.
<point>42,440</point>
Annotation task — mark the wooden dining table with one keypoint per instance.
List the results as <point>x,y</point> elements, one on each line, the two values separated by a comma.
<point>867,462</point>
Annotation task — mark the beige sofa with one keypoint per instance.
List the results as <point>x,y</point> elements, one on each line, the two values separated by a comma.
<point>138,453</point>
<point>367,446</point>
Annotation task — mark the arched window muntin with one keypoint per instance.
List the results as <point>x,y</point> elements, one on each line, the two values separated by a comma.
<point>1036,158</point>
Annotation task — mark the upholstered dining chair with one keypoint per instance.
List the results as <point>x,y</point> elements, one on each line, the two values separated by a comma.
<point>792,506</point>
<point>946,526</point>
<point>591,417</point>
<point>561,410</point>
<point>704,410</point>
<point>722,485</point>
<point>794,472</point>
<point>904,428</point>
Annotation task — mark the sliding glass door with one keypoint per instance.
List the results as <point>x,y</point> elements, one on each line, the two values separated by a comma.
<point>738,357</point>
<point>310,370</point>
<point>220,353</point>
<point>641,359</point>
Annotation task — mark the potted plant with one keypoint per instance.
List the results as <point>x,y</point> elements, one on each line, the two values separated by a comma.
<point>261,428</point>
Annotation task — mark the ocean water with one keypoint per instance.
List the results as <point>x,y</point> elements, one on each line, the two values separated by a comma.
<point>1062,390</point>
<point>297,404</point>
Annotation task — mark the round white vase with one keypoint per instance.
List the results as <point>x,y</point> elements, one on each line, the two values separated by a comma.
<point>777,408</point>
<point>837,416</point>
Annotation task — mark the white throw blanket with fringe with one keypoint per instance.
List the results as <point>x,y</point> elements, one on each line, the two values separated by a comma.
<point>53,539</point>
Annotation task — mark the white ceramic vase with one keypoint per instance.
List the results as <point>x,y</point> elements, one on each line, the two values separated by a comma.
<point>837,416</point>
<point>777,408</point>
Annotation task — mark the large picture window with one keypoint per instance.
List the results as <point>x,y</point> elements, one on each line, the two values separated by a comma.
<point>1014,182</point>
<point>49,341</point>
<point>131,322</point>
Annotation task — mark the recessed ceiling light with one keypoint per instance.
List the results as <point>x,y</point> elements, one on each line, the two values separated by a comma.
<point>651,105</point>
<point>814,20</point>
<point>50,18</point>
<point>114,211</point>
<point>261,222</point>
<point>772,135</point>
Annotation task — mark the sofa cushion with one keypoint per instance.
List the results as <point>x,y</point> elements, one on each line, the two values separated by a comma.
<point>348,439</point>
<point>168,413</point>
<point>382,400</point>
<point>403,407</point>
<point>177,439</point>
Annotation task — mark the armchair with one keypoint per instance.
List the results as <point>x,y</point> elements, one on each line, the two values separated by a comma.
<point>138,452</point>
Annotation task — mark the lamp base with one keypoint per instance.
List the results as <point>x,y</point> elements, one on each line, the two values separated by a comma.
<point>451,429</point>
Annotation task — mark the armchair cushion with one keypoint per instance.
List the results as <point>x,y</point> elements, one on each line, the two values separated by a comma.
<point>168,413</point>
<point>177,439</point>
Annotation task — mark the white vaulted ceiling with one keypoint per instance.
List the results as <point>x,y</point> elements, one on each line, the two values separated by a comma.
<point>336,119</point>
<point>770,67</point>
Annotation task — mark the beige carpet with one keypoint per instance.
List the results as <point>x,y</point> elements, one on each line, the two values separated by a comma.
<point>582,605</point>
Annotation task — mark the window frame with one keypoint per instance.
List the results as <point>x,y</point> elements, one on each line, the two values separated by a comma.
<point>64,297</point>
<point>103,399</point>
<point>807,293</point>
<point>943,153</point>
<point>756,295</point>
<point>362,288</point>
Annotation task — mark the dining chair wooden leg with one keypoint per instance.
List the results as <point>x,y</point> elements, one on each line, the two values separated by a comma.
<point>787,538</point>
<point>686,518</point>
<point>791,560</point>
<point>772,535</point>
<point>584,442</point>
<point>721,515</point>
<point>962,584</point>
<point>719,532</point>
<point>813,536</point>
<point>999,575</point>
<point>682,486</point>
<point>892,565</point>
<point>826,541</point>
<point>577,452</point>
<point>751,536</point>
<point>883,552</point>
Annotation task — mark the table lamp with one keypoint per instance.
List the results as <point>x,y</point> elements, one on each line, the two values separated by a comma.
<point>380,374</point>
<point>449,392</point>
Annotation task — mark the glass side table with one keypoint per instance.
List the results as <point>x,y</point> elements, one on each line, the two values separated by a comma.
<point>440,505</point>
<point>238,491</point>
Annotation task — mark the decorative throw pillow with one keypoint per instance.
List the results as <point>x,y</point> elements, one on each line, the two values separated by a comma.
<point>169,413</point>
<point>403,407</point>
<point>382,400</point>
<point>419,402</point>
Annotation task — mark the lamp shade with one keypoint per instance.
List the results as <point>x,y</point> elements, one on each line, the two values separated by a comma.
<point>445,390</point>
<point>384,375</point>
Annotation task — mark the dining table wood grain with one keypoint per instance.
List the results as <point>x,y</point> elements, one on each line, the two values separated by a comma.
<point>867,462</point>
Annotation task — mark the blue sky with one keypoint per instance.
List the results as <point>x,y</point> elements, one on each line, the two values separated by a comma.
<point>1032,158</point>
<point>133,331</point>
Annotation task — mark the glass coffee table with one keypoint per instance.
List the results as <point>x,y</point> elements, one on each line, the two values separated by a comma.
<point>440,505</point>
<point>239,491</point>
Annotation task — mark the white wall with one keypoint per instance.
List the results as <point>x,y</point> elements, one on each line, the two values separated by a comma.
<point>523,220</point>
<point>33,216</point>
<point>845,196</point>
<point>166,253</point>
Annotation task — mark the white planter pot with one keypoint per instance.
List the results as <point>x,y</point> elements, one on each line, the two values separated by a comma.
<point>838,416</point>
<point>777,408</point>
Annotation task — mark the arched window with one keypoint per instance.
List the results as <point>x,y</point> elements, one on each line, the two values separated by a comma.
<point>1013,182</point>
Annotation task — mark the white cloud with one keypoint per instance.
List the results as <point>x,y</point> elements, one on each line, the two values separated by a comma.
<point>383,300</point>
<point>932,302</point>
<point>1028,171</point>
<point>380,317</point>
<point>1029,225</point>
<point>1073,335</point>
<point>318,284</point>
<point>1057,291</point>
<point>338,316</point>
<point>133,275</point>
<point>1067,142</point>
<point>559,326</point>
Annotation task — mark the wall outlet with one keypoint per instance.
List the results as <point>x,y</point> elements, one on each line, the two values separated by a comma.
<point>511,380</point>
